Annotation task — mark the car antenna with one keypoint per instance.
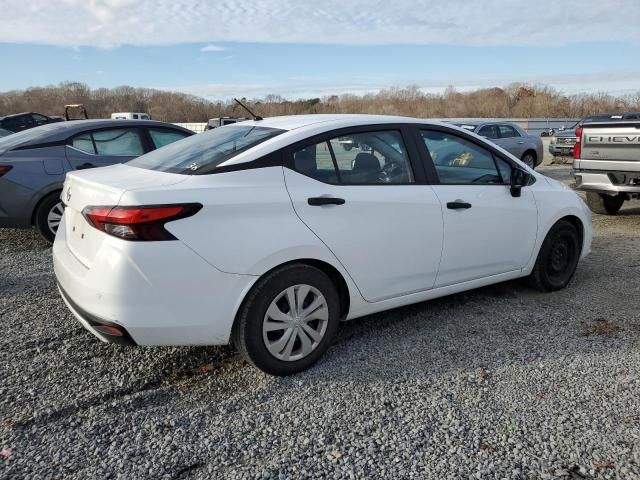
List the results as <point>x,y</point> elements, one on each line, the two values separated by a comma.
<point>255,117</point>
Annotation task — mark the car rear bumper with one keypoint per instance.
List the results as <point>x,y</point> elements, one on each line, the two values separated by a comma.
<point>606,182</point>
<point>103,329</point>
<point>158,293</point>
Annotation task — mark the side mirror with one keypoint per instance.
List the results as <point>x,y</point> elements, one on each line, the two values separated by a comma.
<point>519,179</point>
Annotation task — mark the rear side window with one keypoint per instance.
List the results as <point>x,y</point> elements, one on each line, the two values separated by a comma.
<point>368,158</point>
<point>315,161</point>
<point>459,161</point>
<point>116,142</point>
<point>164,136</point>
<point>507,131</point>
<point>489,131</point>
<point>202,153</point>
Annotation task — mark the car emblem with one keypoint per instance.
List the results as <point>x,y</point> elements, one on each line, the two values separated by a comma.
<point>68,197</point>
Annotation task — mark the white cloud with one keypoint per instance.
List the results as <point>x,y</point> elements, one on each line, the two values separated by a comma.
<point>621,83</point>
<point>212,48</point>
<point>110,23</point>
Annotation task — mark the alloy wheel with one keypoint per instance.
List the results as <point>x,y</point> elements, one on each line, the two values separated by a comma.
<point>55,217</point>
<point>528,160</point>
<point>295,322</point>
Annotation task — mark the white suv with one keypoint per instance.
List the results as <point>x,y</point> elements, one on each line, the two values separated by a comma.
<point>268,233</point>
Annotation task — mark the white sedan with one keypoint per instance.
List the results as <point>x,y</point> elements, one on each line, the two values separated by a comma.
<point>268,233</point>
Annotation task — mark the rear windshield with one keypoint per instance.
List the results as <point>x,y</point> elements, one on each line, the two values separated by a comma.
<point>202,153</point>
<point>32,135</point>
<point>466,126</point>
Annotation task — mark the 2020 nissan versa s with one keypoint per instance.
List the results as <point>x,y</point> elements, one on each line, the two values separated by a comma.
<point>267,233</point>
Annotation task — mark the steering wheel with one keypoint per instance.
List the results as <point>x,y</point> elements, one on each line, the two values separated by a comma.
<point>388,171</point>
<point>481,177</point>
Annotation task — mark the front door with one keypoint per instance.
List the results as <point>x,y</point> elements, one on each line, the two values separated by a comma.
<point>487,231</point>
<point>358,193</point>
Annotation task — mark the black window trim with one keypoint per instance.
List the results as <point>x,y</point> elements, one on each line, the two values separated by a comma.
<point>404,129</point>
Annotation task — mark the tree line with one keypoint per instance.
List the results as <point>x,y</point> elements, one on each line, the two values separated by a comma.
<point>516,101</point>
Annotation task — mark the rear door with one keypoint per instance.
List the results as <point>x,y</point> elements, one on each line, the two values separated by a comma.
<point>99,148</point>
<point>362,192</point>
<point>486,230</point>
<point>511,140</point>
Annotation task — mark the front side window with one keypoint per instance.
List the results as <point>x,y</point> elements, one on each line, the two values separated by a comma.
<point>507,131</point>
<point>203,153</point>
<point>459,161</point>
<point>164,136</point>
<point>372,158</point>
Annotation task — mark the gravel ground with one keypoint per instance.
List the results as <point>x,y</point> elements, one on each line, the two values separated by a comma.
<point>502,382</point>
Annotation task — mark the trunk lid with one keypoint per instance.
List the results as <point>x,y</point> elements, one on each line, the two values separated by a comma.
<point>101,187</point>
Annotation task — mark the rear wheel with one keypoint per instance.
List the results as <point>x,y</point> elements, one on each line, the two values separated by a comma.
<point>605,204</point>
<point>288,320</point>
<point>48,216</point>
<point>558,258</point>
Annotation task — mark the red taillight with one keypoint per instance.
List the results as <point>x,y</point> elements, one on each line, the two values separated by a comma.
<point>4,169</point>
<point>577,147</point>
<point>138,223</point>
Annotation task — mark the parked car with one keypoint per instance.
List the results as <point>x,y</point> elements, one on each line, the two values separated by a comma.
<point>18,122</point>
<point>561,145</point>
<point>33,163</point>
<point>266,233</point>
<point>4,133</point>
<point>222,121</point>
<point>130,116</point>
<point>512,138</point>
<point>607,163</point>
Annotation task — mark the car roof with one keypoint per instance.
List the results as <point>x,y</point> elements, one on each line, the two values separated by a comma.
<point>52,133</point>
<point>63,130</point>
<point>476,123</point>
<point>301,127</point>
<point>328,121</point>
<point>11,115</point>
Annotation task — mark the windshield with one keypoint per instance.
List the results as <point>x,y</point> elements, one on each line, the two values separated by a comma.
<point>202,153</point>
<point>33,135</point>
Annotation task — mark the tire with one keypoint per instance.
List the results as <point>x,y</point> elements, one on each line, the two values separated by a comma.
<point>604,204</point>
<point>557,259</point>
<point>263,322</point>
<point>48,215</point>
<point>529,159</point>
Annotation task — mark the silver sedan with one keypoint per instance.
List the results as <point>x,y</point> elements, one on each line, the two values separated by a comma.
<point>511,137</point>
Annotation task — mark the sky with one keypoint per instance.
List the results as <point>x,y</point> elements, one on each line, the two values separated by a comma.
<point>302,49</point>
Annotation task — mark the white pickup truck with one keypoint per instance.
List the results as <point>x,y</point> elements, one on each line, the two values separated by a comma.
<point>607,163</point>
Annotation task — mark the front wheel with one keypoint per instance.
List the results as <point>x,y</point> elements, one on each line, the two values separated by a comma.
<point>48,216</point>
<point>557,259</point>
<point>605,204</point>
<point>529,159</point>
<point>288,320</point>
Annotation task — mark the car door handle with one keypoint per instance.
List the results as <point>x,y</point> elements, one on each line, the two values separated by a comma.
<point>318,201</point>
<point>520,143</point>
<point>85,165</point>
<point>457,205</point>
